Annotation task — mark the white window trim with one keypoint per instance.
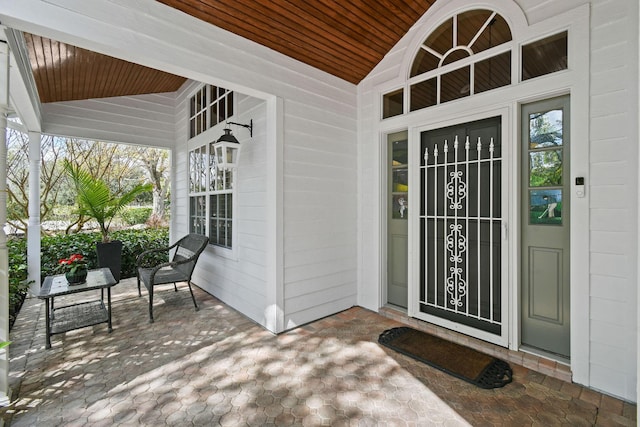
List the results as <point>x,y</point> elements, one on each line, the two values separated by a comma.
<point>203,140</point>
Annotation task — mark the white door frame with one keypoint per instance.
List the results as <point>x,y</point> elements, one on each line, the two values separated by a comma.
<point>573,81</point>
<point>414,224</point>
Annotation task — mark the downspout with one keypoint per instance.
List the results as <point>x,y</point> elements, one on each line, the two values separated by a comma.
<point>4,253</point>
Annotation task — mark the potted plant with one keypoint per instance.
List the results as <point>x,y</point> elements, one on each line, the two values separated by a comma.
<point>75,269</point>
<point>96,200</point>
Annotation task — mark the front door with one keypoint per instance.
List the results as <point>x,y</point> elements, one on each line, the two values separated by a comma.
<point>398,214</point>
<point>545,226</point>
<point>461,226</point>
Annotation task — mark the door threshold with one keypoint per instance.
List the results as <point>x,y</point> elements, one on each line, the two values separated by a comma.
<point>546,354</point>
<point>396,308</point>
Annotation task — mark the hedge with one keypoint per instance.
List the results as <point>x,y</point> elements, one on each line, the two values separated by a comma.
<point>134,242</point>
<point>54,248</point>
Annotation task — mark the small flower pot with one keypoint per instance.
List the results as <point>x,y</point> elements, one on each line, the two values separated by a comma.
<point>78,277</point>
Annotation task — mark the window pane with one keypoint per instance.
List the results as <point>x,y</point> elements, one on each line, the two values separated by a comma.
<point>228,180</point>
<point>213,232</point>
<point>192,107</point>
<point>455,84</point>
<point>229,104</point>
<point>545,168</point>
<point>192,171</point>
<point>495,34</point>
<point>455,55</point>
<point>492,73</point>
<point>392,103</point>
<point>214,206</point>
<point>197,215</point>
<point>441,40</point>
<point>222,233</point>
<point>544,56</point>
<point>423,94</point>
<point>545,207</point>
<point>221,110</point>
<point>400,153</point>
<point>222,205</point>
<point>214,114</point>
<point>423,62</point>
<point>545,129</point>
<point>229,214</point>
<point>469,23</point>
<point>192,128</point>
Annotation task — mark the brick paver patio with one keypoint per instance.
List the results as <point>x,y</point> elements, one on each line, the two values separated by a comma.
<point>216,367</point>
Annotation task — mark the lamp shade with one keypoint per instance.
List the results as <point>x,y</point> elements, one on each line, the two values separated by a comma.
<point>225,151</point>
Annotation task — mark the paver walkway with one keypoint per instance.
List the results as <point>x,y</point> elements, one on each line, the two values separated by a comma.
<point>216,367</point>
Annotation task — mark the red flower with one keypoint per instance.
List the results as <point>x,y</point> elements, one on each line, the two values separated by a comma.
<point>72,263</point>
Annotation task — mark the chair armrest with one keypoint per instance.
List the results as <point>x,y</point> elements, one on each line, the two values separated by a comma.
<point>140,257</point>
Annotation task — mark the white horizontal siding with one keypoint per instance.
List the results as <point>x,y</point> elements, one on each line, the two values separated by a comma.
<point>236,277</point>
<point>140,119</point>
<point>320,213</point>
<point>317,107</point>
<point>614,165</point>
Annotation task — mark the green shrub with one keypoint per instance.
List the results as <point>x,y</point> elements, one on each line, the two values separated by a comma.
<point>61,246</point>
<point>18,285</point>
<point>134,242</point>
<point>133,216</point>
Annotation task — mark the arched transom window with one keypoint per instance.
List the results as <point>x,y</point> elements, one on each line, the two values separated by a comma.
<point>459,59</point>
<point>470,53</point>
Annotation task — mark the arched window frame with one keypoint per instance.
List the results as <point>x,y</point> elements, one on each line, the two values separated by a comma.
<point>469,61</point>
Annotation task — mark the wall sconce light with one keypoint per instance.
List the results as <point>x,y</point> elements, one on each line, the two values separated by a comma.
<point>226,148</point>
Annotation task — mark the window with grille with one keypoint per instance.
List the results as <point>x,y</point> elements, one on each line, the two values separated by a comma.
<point>210,187</point>
<point>470,53</point>
<point>209,106</point>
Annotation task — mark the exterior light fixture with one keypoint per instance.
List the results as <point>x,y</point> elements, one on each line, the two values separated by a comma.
<point>225,149</point>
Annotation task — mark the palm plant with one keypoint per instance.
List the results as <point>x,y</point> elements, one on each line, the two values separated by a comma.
<point>96,200</point>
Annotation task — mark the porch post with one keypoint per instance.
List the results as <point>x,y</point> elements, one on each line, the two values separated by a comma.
<point>4,256</point>
<point>33,230</point>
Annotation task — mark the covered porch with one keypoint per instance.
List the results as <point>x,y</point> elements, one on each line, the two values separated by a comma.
<point>308,215</point>
<point>217,367</point>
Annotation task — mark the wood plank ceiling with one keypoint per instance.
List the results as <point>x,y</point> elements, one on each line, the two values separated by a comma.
<point>344,38</point>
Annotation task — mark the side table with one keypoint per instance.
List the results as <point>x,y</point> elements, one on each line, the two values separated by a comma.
<point>80,315</point>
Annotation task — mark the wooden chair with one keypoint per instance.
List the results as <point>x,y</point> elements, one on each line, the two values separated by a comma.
<point>179,269</point>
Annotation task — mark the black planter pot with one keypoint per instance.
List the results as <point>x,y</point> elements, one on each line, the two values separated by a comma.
<point>110,255</point>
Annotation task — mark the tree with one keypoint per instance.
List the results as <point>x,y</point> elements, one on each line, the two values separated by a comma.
<point>156,163</point>
<point>96,200</point>
<point>121,166</point>
<point>51,178</point>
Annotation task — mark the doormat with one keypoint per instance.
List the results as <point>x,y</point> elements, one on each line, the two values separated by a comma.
<point>462,362</point>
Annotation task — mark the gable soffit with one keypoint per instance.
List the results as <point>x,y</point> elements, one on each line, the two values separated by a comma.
<point>345,39</point>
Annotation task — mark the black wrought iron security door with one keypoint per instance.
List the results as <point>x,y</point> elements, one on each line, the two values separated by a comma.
<point>461,224</point>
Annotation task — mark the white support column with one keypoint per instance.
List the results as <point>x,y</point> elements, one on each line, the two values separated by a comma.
<point>4,255</point>
<point>33,230</point>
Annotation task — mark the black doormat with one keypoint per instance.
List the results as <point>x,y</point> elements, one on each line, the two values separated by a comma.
<point>462,362</point>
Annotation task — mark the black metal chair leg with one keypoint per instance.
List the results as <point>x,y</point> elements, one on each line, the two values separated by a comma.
<point>139,293</point>
<point>193,297</point>
<point>151,305</point>
<point>175,286</point>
